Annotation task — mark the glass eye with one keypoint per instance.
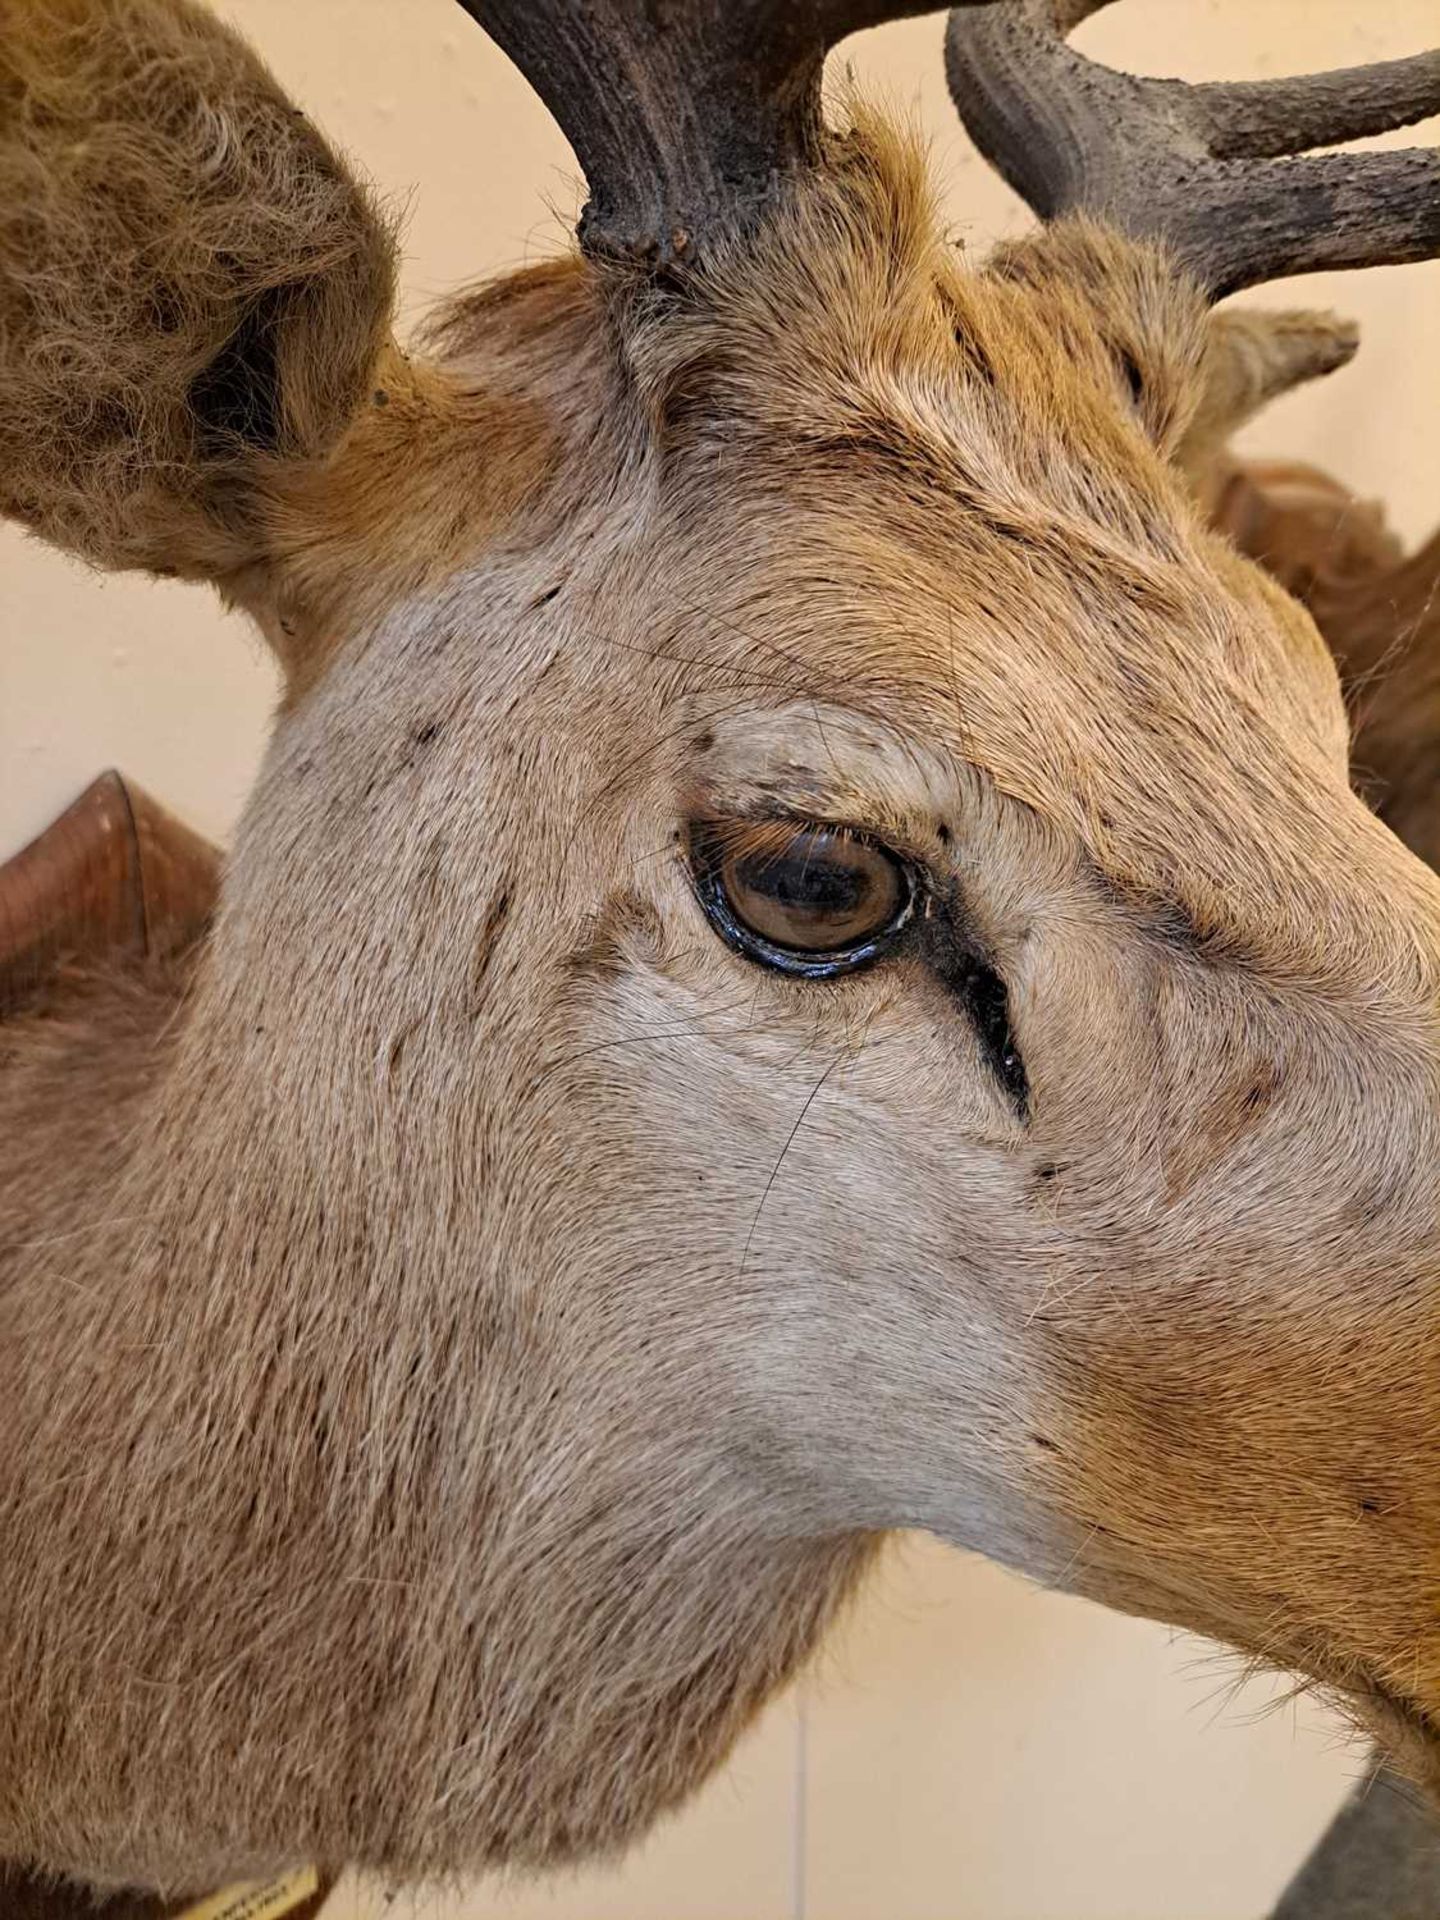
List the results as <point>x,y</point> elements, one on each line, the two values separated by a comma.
<point>806,899</point>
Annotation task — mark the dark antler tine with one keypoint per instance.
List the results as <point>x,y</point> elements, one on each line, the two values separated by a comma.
<point>1066,15</point>
<point>1256,119</point>
<point>1043,116</point>
<point>1331,210</point>
<point>1192,166</point>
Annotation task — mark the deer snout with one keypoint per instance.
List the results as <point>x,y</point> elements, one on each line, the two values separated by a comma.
<point>1241,1360</point>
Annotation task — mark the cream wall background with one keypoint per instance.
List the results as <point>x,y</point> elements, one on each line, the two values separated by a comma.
<point>970,1749</point>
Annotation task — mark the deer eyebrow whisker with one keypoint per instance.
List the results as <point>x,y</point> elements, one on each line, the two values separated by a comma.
<point>744,674</point>
<point>750,638</point>
<point>682,730</point>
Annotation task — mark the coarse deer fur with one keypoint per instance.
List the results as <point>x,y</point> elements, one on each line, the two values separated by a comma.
<point>1379,609</point>
<point>463,1343</point>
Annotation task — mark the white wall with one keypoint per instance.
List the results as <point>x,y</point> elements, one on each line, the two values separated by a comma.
<point>971,1750</point>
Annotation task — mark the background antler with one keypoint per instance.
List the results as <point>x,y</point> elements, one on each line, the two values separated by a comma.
<point>683,113</point>
<point>1207,169</point>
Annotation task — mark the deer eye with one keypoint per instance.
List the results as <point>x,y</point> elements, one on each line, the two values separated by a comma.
<point>814,900</point>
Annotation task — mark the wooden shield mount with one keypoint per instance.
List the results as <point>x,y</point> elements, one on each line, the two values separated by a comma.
<point>115,879</point>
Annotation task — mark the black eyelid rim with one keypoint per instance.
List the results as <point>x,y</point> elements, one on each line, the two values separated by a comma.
<point>710,891</point>
<point>963,969</point>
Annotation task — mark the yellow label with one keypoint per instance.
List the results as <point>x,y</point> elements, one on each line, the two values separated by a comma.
<point>257,1899</point>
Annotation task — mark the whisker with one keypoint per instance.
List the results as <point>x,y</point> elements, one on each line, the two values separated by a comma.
<point>790,1138</point>
<point>664,739</point>
<point>696,660</point>
<point>692,1026</point>
<point>752,639</point>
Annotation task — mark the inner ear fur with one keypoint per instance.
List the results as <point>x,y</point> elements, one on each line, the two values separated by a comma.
<point>194,290</point>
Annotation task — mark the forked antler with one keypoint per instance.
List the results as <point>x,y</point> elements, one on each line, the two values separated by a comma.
<point>683,113</point>
<point>1209,169</point>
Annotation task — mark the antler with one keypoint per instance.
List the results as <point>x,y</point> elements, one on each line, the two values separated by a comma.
<point>1208,169</point>
<point>683,113</point>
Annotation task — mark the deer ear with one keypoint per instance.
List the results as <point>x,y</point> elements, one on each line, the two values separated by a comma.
<point>193,289</point>
<point>1253,355</point>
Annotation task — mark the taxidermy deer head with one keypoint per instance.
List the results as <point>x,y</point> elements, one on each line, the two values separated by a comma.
<point>802,961</point>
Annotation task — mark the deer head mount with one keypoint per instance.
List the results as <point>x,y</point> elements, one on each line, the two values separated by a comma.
<point>803,958</point>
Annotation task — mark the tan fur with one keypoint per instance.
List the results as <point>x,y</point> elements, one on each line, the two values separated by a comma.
<point>485,1348</point>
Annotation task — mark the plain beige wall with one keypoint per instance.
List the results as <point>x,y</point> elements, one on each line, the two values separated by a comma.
<point>970,1749</point>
